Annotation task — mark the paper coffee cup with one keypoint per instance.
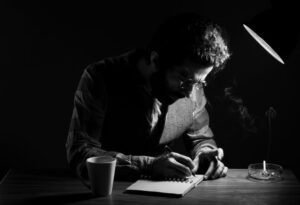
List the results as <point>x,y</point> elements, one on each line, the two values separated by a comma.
<point>101,171</point>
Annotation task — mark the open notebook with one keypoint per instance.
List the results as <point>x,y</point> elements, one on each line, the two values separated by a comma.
<point>170,187</point>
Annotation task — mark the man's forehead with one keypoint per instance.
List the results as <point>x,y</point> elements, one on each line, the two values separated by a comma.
<point>193,69</point>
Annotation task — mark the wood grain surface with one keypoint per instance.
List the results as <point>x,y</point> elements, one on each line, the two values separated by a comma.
<point>61,187</point>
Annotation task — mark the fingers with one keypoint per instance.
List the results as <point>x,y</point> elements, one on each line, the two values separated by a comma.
<point>216,167</point>
<point>210,169</point>
<point>172,165</point>
<point>220,153</point>
<point>196,164</point>
<point>170,172</point>
<point>181,168</point>
<point>211,154</point>
<point>183,160</point>
<point>219,170</point>
<point>224,172</point>
<point>214,153</point>
<point>216,170</point>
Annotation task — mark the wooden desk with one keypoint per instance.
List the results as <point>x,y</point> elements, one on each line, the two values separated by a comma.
<point>58,187</point>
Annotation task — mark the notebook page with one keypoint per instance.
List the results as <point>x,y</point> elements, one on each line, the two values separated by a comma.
<point>167,187</point>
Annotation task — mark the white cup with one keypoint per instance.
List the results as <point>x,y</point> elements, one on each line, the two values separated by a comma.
<point>101,171</point>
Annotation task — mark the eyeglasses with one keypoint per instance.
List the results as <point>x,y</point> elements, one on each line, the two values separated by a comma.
<point>189,83</point>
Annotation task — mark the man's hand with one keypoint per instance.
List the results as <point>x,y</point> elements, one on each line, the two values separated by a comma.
<point>172,165</point>
<point>216,168</point>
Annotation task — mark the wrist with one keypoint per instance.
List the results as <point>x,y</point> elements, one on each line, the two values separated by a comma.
<point>148,170</point>
<point>203,150</point>
<point>143,163</point>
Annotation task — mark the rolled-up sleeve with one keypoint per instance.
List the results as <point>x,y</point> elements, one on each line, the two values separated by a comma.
<point>199,136</point>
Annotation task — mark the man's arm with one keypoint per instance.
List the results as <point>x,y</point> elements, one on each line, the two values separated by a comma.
<point>200,142</point>
<point>84,137</point>
<point>199,136</point>
<point>205,154</point>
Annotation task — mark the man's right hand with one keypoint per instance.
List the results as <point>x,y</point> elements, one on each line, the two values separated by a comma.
<point>172,165</point>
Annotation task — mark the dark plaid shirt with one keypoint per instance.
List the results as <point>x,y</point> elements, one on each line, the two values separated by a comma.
<point>114,114</point>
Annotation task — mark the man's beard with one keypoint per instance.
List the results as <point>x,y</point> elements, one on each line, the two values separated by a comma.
<point>160,89</point>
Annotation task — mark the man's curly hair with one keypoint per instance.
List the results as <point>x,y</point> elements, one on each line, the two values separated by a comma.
<point>193,37</point>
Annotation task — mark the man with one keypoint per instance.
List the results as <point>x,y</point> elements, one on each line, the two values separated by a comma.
<point>133,106</point>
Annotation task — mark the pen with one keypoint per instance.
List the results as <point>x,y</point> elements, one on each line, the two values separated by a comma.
<point>167,149</point>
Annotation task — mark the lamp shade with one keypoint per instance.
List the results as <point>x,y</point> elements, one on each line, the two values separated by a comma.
<point>276,32</point>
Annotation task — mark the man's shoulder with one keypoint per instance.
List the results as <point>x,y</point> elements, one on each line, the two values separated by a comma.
<point>113,69</point>
<point>112,63</point>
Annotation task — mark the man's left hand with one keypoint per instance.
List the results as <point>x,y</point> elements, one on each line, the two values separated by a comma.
<point>216,168</point>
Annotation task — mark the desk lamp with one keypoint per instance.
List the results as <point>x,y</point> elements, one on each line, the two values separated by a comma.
<point>277,32</point>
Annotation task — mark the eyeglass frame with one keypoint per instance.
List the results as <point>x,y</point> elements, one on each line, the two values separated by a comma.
<point>191,81</point>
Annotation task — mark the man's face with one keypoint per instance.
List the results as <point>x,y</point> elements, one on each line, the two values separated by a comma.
<point>180,80</point>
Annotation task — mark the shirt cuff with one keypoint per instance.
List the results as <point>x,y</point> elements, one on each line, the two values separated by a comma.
<point>203,147</point>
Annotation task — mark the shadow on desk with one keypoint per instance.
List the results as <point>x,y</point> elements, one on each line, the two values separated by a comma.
<point>143,193</point>
<point>59,187</point>
<point>3,174</point>
<point>59,199</point>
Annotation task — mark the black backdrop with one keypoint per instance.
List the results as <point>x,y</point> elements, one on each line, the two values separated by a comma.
<point>45,47</point>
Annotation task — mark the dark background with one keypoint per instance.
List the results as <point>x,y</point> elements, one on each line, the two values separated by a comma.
<point>45,47</point>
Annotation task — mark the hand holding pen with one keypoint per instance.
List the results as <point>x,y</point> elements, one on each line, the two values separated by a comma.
<point>171,165</point>
<point>184,160</point>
